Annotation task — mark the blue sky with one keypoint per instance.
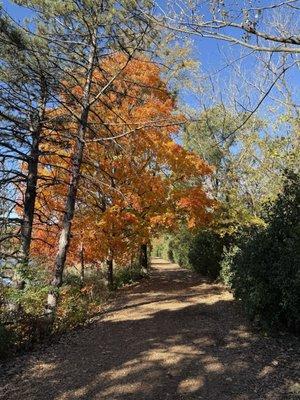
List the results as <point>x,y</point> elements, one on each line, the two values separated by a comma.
<point>19,13</point>
<point>213,56</point>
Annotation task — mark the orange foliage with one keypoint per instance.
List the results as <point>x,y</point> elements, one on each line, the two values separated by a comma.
<point>132,187</point>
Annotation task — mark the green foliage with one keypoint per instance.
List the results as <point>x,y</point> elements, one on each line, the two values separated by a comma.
<point>233,217</point>
<point>180,246</point>
<point>265,273</point>
<point>162,248</point>
<point>200,251</point>
<point>31,299</point>
<point>226,273</point>
<point>73,308</point>
<point>206,253</point>
<point>79,301</point>
<point>24,325</point>
<point>125,276</point>
<point>248,164</point>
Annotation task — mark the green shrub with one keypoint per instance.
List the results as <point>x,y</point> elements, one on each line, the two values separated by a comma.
<point>226,273</point>
<point>161,248</point>
<point>205,254</point>
<point>18,329</point>
<point>124,276</point>
<point>201,251</point>
<point>79,300</point>
<point>180,246</point>
<point>265,273</point>
<point>21,311</point>
<point>73,308</point>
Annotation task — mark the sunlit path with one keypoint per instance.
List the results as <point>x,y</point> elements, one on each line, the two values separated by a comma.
<point>172,336</point>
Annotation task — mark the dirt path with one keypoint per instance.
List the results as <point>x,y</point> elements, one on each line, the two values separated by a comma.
<point>169,337</point>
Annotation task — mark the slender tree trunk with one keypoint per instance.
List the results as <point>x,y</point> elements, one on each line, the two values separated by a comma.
<point>144,256</point>
<point>131,261</point>
<point>64,239</point>
<point>31,189</point>
<point>30,197</point>
<point>82,266</point>
<point>110,272</point>
<point>28,216</point>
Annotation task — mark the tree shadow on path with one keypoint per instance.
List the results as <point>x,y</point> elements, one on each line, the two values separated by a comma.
<point>176,337</point>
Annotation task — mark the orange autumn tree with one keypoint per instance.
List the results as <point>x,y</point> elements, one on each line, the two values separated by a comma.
<point>135,179</point>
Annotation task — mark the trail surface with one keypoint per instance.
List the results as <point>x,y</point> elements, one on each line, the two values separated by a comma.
<point>172,336</point>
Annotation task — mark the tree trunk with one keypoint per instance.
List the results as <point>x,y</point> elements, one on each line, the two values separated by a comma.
<point>110,273</point>
<point>144,256</point>
<point>64,239</point>
<point>31,189</point>
<point>28,215</point>
<point>82,266</point>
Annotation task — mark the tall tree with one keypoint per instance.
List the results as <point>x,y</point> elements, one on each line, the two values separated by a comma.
<point>248,163</point>
<point>79,35</point>
<point>129,189</point>
<point>25,94</point>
